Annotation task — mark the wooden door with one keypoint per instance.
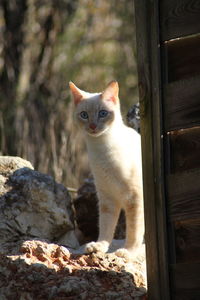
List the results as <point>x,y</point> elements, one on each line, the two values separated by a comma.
<point>168,49</point>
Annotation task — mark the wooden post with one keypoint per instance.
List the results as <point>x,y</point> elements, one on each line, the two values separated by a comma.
<point>150,91</point>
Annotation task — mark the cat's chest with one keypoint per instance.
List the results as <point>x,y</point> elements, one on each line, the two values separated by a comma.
<point>109,162</point>
<point>105,155</point>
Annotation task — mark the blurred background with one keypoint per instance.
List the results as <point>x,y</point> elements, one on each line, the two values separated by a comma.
<point>43,45</point>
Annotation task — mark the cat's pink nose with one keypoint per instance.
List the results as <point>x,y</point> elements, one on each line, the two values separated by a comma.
<point>93,126</point>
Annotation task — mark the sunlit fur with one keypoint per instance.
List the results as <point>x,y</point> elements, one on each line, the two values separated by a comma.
<point>114,152</point>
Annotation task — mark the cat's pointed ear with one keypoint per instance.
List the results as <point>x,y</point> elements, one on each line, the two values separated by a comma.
<point>78,94</point>
<point>111,92</point>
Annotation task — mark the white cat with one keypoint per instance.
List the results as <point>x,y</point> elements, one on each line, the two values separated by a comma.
<point>114,152</point>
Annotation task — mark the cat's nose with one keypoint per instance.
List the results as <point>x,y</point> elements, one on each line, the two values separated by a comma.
<point>92,126</point>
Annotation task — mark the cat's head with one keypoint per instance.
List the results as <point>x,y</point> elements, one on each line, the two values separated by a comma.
<point>96,113</point>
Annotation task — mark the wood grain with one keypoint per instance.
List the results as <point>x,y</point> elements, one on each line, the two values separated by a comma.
<point>182,104</point>
<point>179,18</point>
<point>183,191</point>
<point>182,58</point>
<point>189,294</point>
<point>186,276</point>
<point>147,36</point>
<point>184,149</point>
<point>169,84</point>
<point>187,240</point>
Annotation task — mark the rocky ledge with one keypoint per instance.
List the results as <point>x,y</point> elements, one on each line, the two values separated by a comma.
<point>39,246</point>
<point>47,271</point>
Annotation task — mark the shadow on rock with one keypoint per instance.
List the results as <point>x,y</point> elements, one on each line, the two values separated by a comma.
<point>48,271</point>
<point>36,218</point>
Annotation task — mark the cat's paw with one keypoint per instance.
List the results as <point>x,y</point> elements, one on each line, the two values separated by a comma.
<point>129,255</point>
<point>124,253</point>
<point>97,247</point>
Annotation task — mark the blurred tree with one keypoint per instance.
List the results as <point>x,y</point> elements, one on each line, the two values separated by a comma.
<point>44,44</point>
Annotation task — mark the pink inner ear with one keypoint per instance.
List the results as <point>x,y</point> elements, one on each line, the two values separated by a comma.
<point>76,93</point>
<point>111,92</point>
<point>77,98</point>
<point>113,99</point>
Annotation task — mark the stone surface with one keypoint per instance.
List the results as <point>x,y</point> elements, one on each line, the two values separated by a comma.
<point>36,220</point>
<point>33,205</point>
<point>47,271</point>
<point>9,164</point>
<point>133,117</point>
<point>86,211</point>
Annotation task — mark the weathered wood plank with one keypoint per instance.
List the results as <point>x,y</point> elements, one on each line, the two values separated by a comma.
<point>184,149</point>
<point>147,35</point>
<point>174,95</point>
<point>183,191</point>
<point>182,104</point>
<point>183,294</point>
<point>185,276</point>
<point>179,18</point>
<point>182,58</point>
<point>187,240</point>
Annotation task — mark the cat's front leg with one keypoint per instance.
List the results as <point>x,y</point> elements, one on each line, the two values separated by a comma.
<point>134,231</point>
<point>108,217</point>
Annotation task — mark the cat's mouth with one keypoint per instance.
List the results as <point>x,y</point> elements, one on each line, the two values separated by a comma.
<point>96,132</point>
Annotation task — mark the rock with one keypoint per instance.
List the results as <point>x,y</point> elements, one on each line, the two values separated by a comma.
<point>33,205</point>
<point>35,216</point>
<point>133,117</point>
<point>9,164</point>
<point>47,271</point>
<point>86,213</point>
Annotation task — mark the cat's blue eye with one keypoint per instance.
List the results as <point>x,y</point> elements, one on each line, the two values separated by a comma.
<point>84,115</point>
<point>103,113</point>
